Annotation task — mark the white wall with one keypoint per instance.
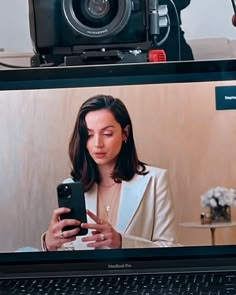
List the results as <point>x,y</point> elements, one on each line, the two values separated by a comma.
<point>14,29</point>
<point>208,18</point>
<point>203,18</point>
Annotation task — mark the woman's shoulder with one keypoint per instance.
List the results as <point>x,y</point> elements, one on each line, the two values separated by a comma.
<point>68,180</point>
<point>153,170</point>
<point>151,173</point>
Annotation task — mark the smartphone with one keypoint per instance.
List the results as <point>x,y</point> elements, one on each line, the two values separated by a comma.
<point>71,195</point>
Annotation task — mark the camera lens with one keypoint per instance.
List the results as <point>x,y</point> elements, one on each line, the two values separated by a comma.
<point>97,18</point>
<point>64,191</point>
<point>95,13</point>
<point>97,8</point>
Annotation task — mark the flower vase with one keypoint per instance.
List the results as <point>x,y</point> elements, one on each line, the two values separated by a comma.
<point>220,214</point>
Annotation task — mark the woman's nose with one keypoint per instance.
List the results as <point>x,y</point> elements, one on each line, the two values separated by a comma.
<point>98,141</point>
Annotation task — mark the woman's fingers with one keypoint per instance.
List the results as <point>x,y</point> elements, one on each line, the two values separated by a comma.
<point>94,217</point>
<point>57,233</point>
<point>102,235</point>
<point>94,226</point>
<point>57,212</point>
<point>98,237</point>
<point>60,225</point>
<point>98,240</point>
<point>99,224</point>
<point>68,222</point>
<point>70,233</point>
<point>63,240</point>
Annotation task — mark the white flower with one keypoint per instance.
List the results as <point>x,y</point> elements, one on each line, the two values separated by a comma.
<point>213,203</point>
<point>219,196</point>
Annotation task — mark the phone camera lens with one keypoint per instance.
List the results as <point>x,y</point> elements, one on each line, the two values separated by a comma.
<point>65,191</point>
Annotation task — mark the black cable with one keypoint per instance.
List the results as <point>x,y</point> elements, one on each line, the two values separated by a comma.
<point>25,67</point>
<point>12,66</point>
<point>167,32</point>
<point>155,36</point>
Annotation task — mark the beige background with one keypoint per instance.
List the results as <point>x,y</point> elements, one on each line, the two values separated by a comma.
<point>176,127</point>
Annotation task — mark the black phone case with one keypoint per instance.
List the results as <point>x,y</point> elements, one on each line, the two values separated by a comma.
<point>71,195</point>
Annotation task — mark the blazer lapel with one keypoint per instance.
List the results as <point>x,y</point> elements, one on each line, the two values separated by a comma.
<point>131,196</point>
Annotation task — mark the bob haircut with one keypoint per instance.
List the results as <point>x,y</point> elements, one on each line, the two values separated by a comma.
<point>84,169</point>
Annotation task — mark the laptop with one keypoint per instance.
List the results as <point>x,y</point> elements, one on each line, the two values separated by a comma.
<point>183,117</point>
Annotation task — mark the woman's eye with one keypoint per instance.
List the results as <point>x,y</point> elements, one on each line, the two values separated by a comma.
<point>108,134</point>
<point>90,135</point>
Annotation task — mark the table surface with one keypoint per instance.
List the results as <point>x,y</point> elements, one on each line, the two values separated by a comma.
<point>198,224</point>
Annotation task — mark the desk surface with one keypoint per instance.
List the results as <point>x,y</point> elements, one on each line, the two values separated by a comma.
<point>210,225</point>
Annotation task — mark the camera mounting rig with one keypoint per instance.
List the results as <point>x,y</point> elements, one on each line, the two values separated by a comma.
<point>83,32</point>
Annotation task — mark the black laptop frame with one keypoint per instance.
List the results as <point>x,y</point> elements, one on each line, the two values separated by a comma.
<point>173,259</point>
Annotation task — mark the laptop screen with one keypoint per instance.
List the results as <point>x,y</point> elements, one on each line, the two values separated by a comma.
<point>183,122</point>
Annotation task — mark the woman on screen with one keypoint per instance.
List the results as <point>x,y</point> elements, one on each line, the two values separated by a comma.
<point>128,202</point>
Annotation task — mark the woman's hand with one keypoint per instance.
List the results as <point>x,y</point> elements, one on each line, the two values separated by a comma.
<point>103,234</point>
<point>55,237</point>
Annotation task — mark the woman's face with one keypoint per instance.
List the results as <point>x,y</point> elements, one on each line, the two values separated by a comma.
<point>105,137</point>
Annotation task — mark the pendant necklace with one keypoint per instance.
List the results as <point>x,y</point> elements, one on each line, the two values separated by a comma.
<point>108,208</point>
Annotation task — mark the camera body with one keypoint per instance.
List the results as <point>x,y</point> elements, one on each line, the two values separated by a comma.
<point>73,26</point>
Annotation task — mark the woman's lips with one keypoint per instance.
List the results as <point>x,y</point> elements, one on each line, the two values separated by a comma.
<point>100,155</point>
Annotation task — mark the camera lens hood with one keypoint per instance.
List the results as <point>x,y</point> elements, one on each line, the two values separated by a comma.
<point>116,25</point>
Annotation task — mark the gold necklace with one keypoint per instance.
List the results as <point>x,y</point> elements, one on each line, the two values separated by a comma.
<point>109,207</point>
<point>108,186</point>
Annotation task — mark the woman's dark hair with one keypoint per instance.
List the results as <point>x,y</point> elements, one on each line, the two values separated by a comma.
<point>84,169</point>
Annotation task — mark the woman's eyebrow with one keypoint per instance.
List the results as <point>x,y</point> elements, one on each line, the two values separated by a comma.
<point>109,126</point>
<point>104,128</point>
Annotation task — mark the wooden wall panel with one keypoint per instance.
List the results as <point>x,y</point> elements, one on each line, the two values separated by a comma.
<point>176,127</point>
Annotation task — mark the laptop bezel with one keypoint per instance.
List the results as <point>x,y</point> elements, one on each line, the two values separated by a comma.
<point>119,74</point>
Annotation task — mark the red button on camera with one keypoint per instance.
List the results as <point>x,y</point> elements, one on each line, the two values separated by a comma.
<point>157,55</point>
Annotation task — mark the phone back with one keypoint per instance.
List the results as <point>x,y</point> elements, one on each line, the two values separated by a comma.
<point>71,195</point>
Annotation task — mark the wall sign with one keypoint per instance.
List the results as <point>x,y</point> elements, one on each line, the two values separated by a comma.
<point>225,97</point>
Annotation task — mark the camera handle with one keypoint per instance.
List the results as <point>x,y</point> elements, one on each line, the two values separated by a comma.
<point>158,18</point>
<point>153,7</point>
<point>161,19</point>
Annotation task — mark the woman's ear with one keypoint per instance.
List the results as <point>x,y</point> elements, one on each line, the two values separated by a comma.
<point>126,133</point>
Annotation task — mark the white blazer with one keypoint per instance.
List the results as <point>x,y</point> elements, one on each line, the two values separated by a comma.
<point>145,215</point>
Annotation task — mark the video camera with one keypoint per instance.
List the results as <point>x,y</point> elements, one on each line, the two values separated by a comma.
<point>94,31</point>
